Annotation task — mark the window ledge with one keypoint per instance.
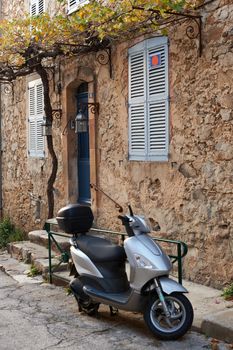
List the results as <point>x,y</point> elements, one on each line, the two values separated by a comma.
<point>39,156</point>
<point>158,158</point>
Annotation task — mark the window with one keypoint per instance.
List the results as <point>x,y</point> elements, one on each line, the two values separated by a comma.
<point>73,5</point>
<point>36,7</point>
<point>148,100</point>
<point>36,111</point>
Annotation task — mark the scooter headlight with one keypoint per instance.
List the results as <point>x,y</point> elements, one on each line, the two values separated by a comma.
<point>143,262</point>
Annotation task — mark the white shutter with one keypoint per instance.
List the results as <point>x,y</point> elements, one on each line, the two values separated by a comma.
<point>32,138</point>
<point>39,100</point>
<point>39,118</point>
<point>36,7</point>
<point>73,5</point>
<point>36,111</point>
<point>31,120</point>
<point>33,7</point>
<point>148,100</point>
<point>39,139</point>
<point>31,90</point>
<point>40,7</point>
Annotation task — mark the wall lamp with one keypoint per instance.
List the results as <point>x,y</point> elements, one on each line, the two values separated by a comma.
<point>46,127</point>
<point>80,122</point>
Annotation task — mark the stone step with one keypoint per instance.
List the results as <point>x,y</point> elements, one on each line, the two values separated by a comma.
<point>17,269</point>
<point>61,278</point>
<point>43,265</point>
<point>36,255</point>
<point>41,237</point>
<point>27,251</point>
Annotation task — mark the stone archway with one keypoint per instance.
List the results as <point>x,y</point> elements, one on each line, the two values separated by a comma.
<point>69,139</point>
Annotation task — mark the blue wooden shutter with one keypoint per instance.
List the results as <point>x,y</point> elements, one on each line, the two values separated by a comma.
<point>158,100</point>
<point>137,106</point>
<point>148,100</point>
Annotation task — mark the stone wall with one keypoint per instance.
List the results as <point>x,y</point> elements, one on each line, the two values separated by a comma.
<point>191,195</point>
<point>202,149</point>
<point>24,179</point>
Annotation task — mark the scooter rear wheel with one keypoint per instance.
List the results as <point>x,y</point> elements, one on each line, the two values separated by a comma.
<point>175,326</point>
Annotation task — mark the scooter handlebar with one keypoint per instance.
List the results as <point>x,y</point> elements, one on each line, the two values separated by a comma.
<point>125,222</point>
<point>123,218</point>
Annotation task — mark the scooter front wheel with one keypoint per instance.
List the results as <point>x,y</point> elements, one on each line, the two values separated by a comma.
<point>178,322</point>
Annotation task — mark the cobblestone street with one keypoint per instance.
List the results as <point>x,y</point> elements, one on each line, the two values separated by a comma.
<point>40,316</point>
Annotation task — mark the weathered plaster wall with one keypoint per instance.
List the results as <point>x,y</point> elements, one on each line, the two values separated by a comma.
<point>191,195</point>
<point>24,179</point>
<point>202,148</point>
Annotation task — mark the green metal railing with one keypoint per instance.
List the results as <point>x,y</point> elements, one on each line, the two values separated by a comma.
<point>181,251</point>
<point>64,255</point>
<point>181,248</point>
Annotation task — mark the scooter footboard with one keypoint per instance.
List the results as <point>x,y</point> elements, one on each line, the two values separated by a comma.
<point>169,286</point>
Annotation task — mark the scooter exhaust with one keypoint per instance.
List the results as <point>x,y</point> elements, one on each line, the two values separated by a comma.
<point>77,289</point>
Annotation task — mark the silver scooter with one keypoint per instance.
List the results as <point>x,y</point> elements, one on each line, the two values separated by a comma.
<point>100,273</point>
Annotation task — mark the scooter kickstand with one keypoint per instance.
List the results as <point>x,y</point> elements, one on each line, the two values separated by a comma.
<point>113,311</point>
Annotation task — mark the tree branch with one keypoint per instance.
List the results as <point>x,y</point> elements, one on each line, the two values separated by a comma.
<point>49,116</point>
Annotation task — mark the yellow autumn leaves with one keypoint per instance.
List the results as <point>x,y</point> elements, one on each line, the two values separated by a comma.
<point>116,19</point>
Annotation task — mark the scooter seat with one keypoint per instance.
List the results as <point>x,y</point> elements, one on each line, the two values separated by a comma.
<point>100,249</point>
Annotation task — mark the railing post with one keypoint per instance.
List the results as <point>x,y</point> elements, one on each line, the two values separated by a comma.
<point>50,257</point>
<point>47,228</point>
<point>179,262</point>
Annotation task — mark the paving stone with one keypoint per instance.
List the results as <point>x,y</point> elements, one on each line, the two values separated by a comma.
<point>212,314</point>
<point>41,316</point>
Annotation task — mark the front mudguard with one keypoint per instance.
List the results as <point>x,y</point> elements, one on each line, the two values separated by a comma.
<point>169,286</point>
